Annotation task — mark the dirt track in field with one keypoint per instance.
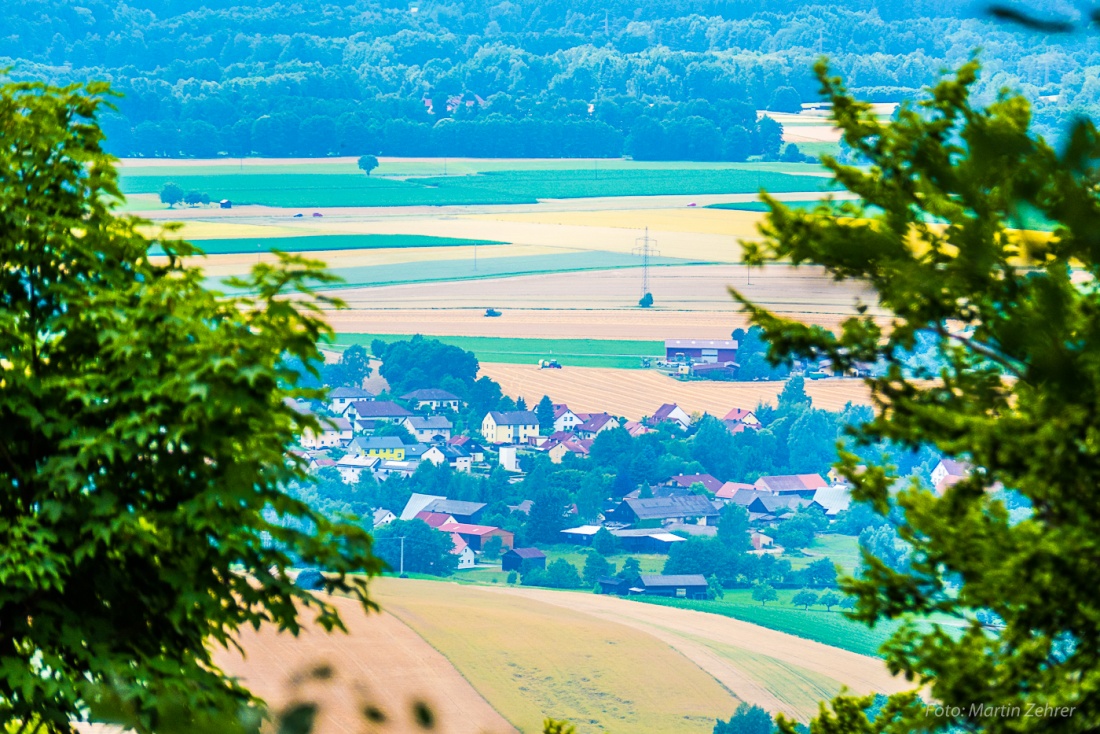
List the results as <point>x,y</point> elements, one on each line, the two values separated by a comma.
<point>381,661</point>
<point>638,393</point>
<point>692,302</point>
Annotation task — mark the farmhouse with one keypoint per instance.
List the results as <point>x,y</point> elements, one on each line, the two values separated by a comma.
<point>683,586</point>
<point>432,398</point>
<point>700,350</point>
<point>835,499</point>
<point>671,412</point>
<point>692,508</point>
<point>467,512</point>
<point>742,415</point>
<point>418,503</point>
<point>334,432</point>
<point>635,429</point>
<point>802,484</point>
<point>730,489</point>
<point>464,552</point>
<point>514,427</point>
<point>581,535</point>
<point>564,418</point>
<point>523,559</point>
<point>341,397</point>
<point>558,448</point>
<point>432,429</point>
<point>467,444</point>
<point>384,447</point>
<point>368,415</point>
<point>476,535</point>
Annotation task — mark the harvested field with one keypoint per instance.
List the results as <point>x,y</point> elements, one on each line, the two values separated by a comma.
<point>532,659</point>
<point>637,393</point>
<point>599,660</point>
<point>380,661</point>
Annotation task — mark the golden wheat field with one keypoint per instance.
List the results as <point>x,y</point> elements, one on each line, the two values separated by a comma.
<point>635,394</point>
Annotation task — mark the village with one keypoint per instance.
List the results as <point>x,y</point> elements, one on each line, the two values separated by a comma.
<point>370,441</point>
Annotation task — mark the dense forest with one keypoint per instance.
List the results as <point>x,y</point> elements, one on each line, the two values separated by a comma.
<point>669,79</point>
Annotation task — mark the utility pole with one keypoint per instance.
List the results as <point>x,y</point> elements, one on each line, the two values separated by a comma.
<point>402,555</point>
<point>643,248</point>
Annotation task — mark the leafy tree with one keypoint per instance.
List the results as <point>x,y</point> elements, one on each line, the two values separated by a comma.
<point>795,533</point>
<point>561,574</point>
<point>821,572</point>
<point>804,599</point>
<point>848,603</point>
<point>883,544</point>
<point>604,543</point>
<point>714,588</point>
<point>545,412</point>
<point>521,404</point>
<point>143,438</point>
<point>1015,329</point>
<point>695,555</point>
<point>389,428</point>
<point>491,548</point>
<point>171,194</point>
<point>631,571</point>
<point>546,519</point>
<point>596,567</point>
<point>785,99</point>
<point>367,163</point>
<point>763,592</point>
<point>426,550</point>
<point>733,528</point>
<point>646,300</point>
<point>746,720</point>
<point>713,447</point>
<point>194,198</point>
<point>356,365</point>
<point>512,576</point>
<point>828,600</point>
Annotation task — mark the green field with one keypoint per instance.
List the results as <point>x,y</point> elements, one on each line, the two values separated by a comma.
<point>572,352</point>
<point>842,550</point>
<point>322,243</point>
<point>830,628</point>
<point>513,186</point>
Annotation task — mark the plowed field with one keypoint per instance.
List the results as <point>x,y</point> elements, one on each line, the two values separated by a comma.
<point>638,393</point>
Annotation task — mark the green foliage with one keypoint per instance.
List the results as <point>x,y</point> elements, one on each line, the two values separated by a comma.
<point>794,533</point>
<point>746,720</point>
<point>646,301</point>
<point>426,550</point>
<point>1015,317</point>
<point>545,412</point>
<point>143,440</point>
<point>560,574</point>
<point>733,528</point>
<point>512,577</point>
<point>491,548</point>
<point>367,163</point>
<point>714,588</point>
<point>550,726</point>
<point>596,567</point>
<point>328,242</point>
<point>828,600</point>
<point>171,194</point>
<point>763,592</point>
<point>804,599</point>
<point>631,572</point>
<point>604,543</point>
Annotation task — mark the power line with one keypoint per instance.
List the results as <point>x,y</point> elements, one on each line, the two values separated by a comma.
<point>644,249</point>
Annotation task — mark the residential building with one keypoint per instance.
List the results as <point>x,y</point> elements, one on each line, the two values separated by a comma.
<point>334,432</point>
<point>432,429</point>
<point>728,490</point>
<point>687,481</point>
<point>382,516</point>
<point>594,423</point>
<point>418,503</point>
<point>384,447</point>
<point>948,472</point>
<point>463,512</point>
<point>700,350</point>
<point>352,466</point>
<point>558,448</point>
<point>802,484</point>
<point>509,458</point>
<point>511,427</point>
<point>635,429</point>
<point>340,398</point>
<point>453,456</point>
<point>523,559</point>
<point>646,540</point>
<point>692,508</point>
<point>834,499</point>
<point>465,553</point>
<point>743,415</point>
<point>564,418</point>
<point>476,535</point>
<point>671,412</point>
<point>370,414</point>
<point>433,399</point>
<point>471,447</point>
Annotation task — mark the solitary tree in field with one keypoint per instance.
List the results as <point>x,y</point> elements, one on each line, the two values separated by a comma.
<point>171,194</point>
<point>763,592</point>
<point>646,300</point>
<point>804,599</point>
<point>143,448</point>
<point>367,163</point>
<point>828,600</point>
<point>1015,323</point>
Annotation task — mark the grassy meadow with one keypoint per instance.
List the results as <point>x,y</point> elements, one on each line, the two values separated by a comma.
<point>323,243</point>
<point>622,354</point>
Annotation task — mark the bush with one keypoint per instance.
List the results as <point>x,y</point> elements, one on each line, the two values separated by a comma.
<point>512,576</point>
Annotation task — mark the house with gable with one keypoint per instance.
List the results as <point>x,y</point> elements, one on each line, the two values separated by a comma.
<point>671,412</point>
<point>429,429</point>
<point>382,447</point>
<point>594,424</point>
<point>433,399</point>
<point>948,472</point>
<point>339,398</point>
<point>565,419</point>
<point>369,415</point>
<point>334,432</point>
<point>803,485</point>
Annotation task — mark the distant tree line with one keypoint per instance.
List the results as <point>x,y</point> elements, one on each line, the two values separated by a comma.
<point>665,80</point>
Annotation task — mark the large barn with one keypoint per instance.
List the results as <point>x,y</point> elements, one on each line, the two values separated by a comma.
<point>700,350</point>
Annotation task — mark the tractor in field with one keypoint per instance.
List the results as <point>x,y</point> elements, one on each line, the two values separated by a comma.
<point>549,364</point>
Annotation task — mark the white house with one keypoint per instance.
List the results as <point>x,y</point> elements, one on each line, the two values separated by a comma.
<point>671,412</point>
<point>565,419</point>
<point>948,472</point>
<point>594,423</point>
<point>382,516</point>
<point>458,459</point>
<point>462,549</point>
<point>334,432</point>
<point>432,398</point>
<point>508,458</point>
<point>341,397</point>
<point>432,429</point>
<point>352,466</point>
